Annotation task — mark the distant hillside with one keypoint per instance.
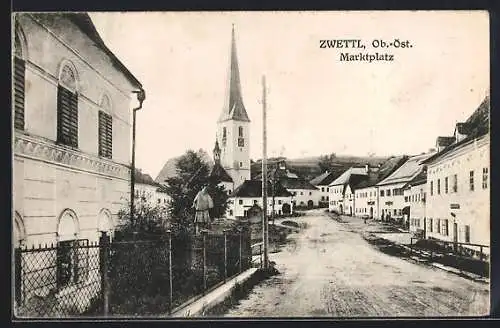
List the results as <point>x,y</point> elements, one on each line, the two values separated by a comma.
<point>309,167</point>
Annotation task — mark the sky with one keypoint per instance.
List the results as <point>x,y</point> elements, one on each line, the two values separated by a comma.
<point>316,103</point>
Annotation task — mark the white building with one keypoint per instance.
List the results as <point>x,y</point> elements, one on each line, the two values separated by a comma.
<point>366,198</point>
<point>458,184</point>
<point>148,192</point>
<point>414,197</point>
<point>250,194</point>
<point>390,189</point>
<point>72,105</point>
<point>305,195</point>
<point>71,130</point>
<point>342,191</point>
<point>322,182</point>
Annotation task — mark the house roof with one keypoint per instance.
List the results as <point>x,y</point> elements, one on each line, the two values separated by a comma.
<point>345,177</point>
<point>478,125</point>
<point>84,23</point>
<point>296,183</point>
<point>253,188</point>
<point>463,128</point>
<point>419,179</point>
<point>220,174</point>
<point>324,179</point>
<point>444,141</point>
<point>169,169</point>
<point>234,109</point>
<point>144,178</point>
<point>407,171</point>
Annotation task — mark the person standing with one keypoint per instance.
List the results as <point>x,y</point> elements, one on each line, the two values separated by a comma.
<point>202,204</point>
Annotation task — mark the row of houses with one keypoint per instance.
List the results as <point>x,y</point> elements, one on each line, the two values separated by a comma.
<point>444,192</point>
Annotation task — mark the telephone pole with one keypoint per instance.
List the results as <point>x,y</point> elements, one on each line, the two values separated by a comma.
<point>265,223</point>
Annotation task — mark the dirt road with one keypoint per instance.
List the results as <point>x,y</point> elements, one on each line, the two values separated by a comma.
<point>330,270</point>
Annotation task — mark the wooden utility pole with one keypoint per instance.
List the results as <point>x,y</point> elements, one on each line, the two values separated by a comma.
<point>265,223</point>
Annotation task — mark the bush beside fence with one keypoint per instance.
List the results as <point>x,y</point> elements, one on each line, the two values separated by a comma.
<point>128,277</point>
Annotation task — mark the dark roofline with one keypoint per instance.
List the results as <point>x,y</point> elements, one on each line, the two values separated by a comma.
<point>85,24</point>
<point>451,147</point>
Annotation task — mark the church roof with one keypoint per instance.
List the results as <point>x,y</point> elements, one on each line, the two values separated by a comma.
<point>234,109</point>
<point>219,173</point>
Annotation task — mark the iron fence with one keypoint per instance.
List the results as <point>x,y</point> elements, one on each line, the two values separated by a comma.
<point>123,277</point>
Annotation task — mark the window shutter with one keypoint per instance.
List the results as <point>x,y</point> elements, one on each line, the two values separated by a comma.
<point>105,135</point>
<point>19,78</point>
<point>67,117</point>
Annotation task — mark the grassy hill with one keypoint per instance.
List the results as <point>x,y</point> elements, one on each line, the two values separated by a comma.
<point>309,167</point>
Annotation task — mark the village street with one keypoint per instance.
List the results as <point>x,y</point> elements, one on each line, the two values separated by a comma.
<point>328,269</point>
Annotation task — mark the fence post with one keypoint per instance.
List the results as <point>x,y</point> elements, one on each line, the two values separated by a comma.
<point>260,254</point>
<point>104,258</point>
<point>18,275</point>
<point>411,247</point>
<point>240,253</point>
<point>225,255</point>
<point>170,294</point>
<point>481,253</point>
<point>204,234</point>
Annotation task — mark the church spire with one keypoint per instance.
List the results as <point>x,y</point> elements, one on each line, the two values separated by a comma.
<point>233,107</point>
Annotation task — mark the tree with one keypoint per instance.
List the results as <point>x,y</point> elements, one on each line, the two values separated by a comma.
<point>326,161</point>
<point>192,175</point>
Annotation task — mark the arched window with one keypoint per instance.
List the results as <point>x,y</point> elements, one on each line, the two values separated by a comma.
<point>19,231</point>
<point>67,106</point>
<point>105,222</point>
<point>105,128</point>
<point>67,250</point>
<point>224,136</point>
<point>241,141</point>
<point>19,78</point>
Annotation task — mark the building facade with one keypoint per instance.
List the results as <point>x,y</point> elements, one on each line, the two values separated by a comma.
<point>366,202</point>
<point>342,190</point>
<point>71,134</point>
<point>250,194</point>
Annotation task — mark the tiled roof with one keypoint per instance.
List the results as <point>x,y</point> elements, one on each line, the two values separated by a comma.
<point>324,179</point>
<point>220,174</point>
<point>85,24</point>
<point>345,177</point>
<point>419,179</point>
<point>169,169</point>
<point>478,123</point>
<point>463,128</point>
<point>253,188</point>
<point>296,183</point>
<point>445,141</point>
<point>407,171</point>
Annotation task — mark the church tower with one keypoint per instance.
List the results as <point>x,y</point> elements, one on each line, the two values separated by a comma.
<point>233,126</point>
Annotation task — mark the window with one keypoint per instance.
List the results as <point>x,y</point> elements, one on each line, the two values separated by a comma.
<point>67,108</point>
<point>438,225</point>
<point>471,180</point>
<point>255,201</point>
<point>467,233</point>
<point>310,193</point>
<point>430,225</point>
<point>240,132</point>
<point>224,135</point>
<point>446,185</point>
<point>230,212</point>
<point>19,81</point>
<point>439,187</point>
<point>432,188</point>
<point>159,200</point>
<point>105,135</point>
<point>445,227</point>
<point>241,142</point>
<point>395,212</point>
<point>455,183</point>
<point>381,193</point>
<point>241,164</point>
<point>279,201</point>
<point>240,201</point>
<point>388,192</point>
<point>485,177</point>
<point>301,193</point>
<point>406,199</point>
<point>327,189</point>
